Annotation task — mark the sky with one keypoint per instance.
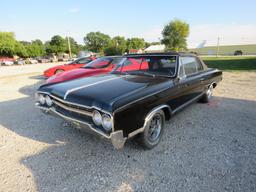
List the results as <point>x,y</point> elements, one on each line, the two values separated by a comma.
<point>234,22</point>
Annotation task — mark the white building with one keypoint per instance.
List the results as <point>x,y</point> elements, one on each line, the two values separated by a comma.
<point>154,48</point>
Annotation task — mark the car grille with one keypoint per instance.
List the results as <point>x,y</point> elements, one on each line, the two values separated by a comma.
<point>73,109</point>
<point>75,112</point>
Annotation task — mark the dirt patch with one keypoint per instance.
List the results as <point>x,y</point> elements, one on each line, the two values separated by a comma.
<point>207,147</point>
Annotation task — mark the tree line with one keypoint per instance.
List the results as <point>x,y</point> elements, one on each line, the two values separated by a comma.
<point>174,37</point>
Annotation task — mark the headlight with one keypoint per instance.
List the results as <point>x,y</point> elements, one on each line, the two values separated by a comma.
<point>96,117</point>
<point>48,101</point>
<point>106,122</point>
<point>41,99</point>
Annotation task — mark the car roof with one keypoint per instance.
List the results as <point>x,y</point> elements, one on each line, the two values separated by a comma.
<point>171,53</point>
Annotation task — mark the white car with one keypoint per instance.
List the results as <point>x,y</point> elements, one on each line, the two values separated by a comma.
<point>8,63</point>
<point>33,61</point>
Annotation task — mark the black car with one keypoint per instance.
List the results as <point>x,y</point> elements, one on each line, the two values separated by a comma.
<point>135,99</point>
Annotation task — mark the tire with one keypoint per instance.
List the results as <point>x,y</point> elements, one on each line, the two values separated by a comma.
<point>153,130</point>
<point>208,95</point>
<point>58,71</point>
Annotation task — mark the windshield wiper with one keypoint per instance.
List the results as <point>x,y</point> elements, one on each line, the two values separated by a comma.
<point>142,73</point>
<point>89,67</point>
<point>119,72</point>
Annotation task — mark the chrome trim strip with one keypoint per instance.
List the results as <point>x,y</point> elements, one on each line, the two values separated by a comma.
<point>186,104</point>
<point>84,86</point>
<point>37,105</point>
<point>74,120</point>
<point>151,113</point>
<point>136,132</point>
<point>72,109</point>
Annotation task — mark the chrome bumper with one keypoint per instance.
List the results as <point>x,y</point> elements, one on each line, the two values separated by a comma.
<point>117,139</point>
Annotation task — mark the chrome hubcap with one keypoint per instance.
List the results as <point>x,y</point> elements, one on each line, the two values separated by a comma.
<point>155,127</point>
<point>209,92</point>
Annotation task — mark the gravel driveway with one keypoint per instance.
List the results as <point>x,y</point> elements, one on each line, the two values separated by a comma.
<point>206,147</point>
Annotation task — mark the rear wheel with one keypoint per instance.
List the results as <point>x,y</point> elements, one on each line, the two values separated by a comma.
<point>207,95</point>
<point>153,130</point>
<point>58,71</point>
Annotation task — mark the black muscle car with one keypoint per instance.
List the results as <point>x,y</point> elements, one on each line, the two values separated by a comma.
<point>136,98</point>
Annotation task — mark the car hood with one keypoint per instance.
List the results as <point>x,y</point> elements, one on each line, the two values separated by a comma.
<point>74,74</point>
<point>107,92</point>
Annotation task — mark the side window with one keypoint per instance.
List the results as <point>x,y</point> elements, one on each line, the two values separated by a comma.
<point>181,71</point>
<point>190,65</point>
<point>83,61</point>
<point>199,65</point>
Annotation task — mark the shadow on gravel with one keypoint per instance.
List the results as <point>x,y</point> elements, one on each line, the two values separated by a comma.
<point>38,77</point>
<point>205,147</point>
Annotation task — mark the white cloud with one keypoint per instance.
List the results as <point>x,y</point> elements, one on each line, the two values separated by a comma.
<point>73,10</point>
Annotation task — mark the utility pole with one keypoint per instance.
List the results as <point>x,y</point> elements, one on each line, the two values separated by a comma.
<point>69,48</point>
<point>218,47</point>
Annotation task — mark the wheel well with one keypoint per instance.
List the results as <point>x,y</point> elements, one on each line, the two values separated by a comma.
<point>165,108</point>
<point>167,113</point>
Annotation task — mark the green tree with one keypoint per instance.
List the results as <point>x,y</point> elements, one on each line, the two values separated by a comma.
<point>20,50</point>
<point>56,45</point>
<point>116,46</point>
<point>96,41</point>
<point>175,35</point>
<point>135,43</point>
<point>10,47</point>
<point>73,45</point>
<point>8,44</point>
<point>36,48</point>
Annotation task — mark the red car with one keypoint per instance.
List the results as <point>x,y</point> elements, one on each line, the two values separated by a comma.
<point>99,66</point>
<point>66,67</point>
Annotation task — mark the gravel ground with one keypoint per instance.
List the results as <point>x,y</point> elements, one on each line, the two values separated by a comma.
<point>206,147</point>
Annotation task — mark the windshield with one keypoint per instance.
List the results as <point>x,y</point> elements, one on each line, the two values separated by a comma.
<point>148,65</point>
<point>103,63</point>
<point>80,61</point>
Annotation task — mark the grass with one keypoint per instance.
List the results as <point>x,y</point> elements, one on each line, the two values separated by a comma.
<point>231,63</point>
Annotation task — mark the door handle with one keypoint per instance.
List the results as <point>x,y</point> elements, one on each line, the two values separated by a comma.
<point>202,79</point>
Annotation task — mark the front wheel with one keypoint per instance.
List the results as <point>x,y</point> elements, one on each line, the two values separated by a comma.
<point>208,95</point>
<point>153,130</point>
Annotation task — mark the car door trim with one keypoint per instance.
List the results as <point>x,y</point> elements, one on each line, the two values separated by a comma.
<point>186,104</point>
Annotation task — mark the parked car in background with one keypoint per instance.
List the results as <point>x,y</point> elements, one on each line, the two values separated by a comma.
<point>66,67</point>
<point>63,57</point>
<point>6,61</point>
<point>129,103</point>
<point>20,62</point>
<point>238,53</point>
<point>99,66</point>
<point>43,60</point>
<point>32,61</point>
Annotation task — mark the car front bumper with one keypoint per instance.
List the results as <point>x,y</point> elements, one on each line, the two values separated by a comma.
<point>117,139</point>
